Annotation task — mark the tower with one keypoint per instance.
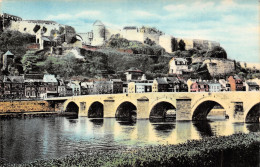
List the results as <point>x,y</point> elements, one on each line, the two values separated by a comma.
<point>98,33</point>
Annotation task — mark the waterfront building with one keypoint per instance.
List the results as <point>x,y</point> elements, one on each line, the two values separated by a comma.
<point>174,84</point>
<point>125,87</point>
<point>199,86</point>
<point>103,87</point>
<point>61,87</point>
<point>50,86</point>
<point>140,87</point>
<point>236,83</point>
<point>13,87</point>
<point>87,88</point>
<point>68,90</point>
<point>160,85</point>
<point>225,86</point>
<point>214,86</point>
<point>178,65</point>
<point>76,88</point>
<point>117,85</point>
<point>251,86</point>
<point>33,85</point>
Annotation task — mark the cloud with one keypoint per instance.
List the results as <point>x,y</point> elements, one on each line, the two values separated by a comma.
<point>141,13</point>
<point>92,14</point>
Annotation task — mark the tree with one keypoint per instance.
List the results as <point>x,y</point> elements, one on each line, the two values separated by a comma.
<point>182,45</point>
<point>217,52</point>
<point>29,61</point>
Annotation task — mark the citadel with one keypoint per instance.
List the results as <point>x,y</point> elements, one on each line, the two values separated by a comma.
<point>99,35</point>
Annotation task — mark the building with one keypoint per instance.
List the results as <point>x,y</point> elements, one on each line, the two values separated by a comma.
<point>61,88</point>
<point>125,87</point>
<point>34,85</point>
<point>214,86</point>
<point>236,83</point>
<point>13,87</point>
<point>50,88</point>
<point>251,86</point>
<point>8,58</point>
<point>140,87</point>
<point>199,86</point>
<point>87,88</point>
<point>103,87</point>
<point>174,84</point>
<point>225,86</point>
<point>117,85</point>
<point>76,87</point>
<point>133,74</point>
<point>68,90</point>
<point>160,85</point>
<point>177,65</point>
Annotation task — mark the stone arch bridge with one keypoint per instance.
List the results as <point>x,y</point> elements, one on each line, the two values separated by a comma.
<point>239,106</point>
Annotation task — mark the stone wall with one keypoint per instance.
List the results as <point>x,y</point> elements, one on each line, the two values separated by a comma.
<point>216,66</point>
<point>219,66</point>
<point>24,106</point>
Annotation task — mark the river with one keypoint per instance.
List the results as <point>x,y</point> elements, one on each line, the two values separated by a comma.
<point>26,140</point>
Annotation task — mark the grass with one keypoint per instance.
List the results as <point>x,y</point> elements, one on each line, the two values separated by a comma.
<point>234,150</point>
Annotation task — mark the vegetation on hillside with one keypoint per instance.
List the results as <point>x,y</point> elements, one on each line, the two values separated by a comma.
<point>109,61</point>
<point>15,42</point>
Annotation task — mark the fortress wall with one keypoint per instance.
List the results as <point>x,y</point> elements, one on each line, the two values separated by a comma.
<point>85,38</point>
<point>212,44</point>
<point>133,35</point>
<point>111,31</point>
<point>165,42</point>
<point>188,43</point>
<point>28,26</point>
<point>153,36</point>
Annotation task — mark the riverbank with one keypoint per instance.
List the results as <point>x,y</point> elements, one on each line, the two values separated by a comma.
<point>233,150</point>
<point>36,114</point>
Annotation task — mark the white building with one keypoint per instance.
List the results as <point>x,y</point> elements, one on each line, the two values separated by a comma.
<point>177,65</point>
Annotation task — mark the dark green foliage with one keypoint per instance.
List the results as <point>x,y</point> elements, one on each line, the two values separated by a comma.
<point>182,45</point>
<point>148,41</point>
<point>217,52</point>
<point>15,42</point>
<point>149,48</point>
<point>235,150</point>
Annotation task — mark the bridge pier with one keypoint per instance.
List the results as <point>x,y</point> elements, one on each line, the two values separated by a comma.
<point>143,108</point>
<point>237,112</point>
<point>109,108</point>
<point>82,109</point>
<point>183,109</point>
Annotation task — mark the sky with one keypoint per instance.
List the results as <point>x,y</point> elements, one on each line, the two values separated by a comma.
<point>232,23</point>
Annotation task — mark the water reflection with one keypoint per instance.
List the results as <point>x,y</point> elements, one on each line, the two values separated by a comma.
<point>253,127</point>
<point>203,127</point>
<point>97,122</point>
<point>23,140</point>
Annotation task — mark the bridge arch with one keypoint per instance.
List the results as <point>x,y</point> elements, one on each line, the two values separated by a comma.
<point>159,108</point>
<point>201,109</point>
<point>126,109</point>
<point>96,110</point>
<point>252,114</point>
<point>72,107</point>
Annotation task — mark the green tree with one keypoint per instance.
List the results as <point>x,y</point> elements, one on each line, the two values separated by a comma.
<point>182,45</point>
<point>29,61</point>
<point>217,52</point>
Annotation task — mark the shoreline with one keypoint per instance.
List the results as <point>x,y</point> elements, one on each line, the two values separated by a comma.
<point>237,149</point>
